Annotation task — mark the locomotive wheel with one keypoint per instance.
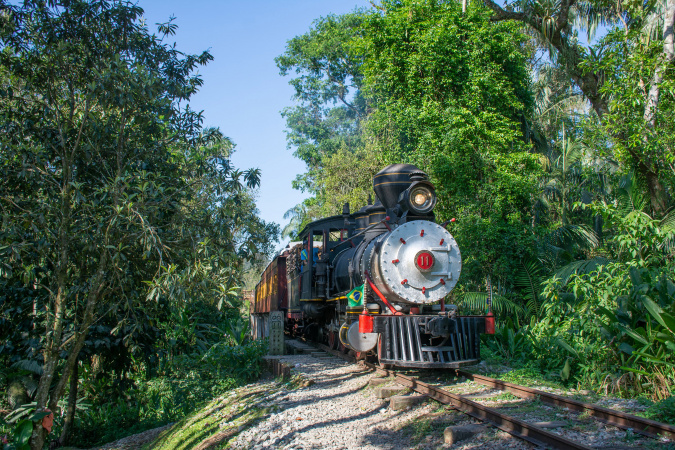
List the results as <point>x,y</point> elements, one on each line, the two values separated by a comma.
<point>344,343</point>
<point>332,340</point>
<point>379,355</point>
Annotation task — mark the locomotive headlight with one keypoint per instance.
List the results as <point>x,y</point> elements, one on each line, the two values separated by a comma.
<point>422,198</point>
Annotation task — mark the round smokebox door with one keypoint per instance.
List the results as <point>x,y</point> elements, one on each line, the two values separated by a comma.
<point>420,261</point>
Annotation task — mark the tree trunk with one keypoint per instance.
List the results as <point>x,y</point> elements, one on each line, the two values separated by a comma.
<point>51,357</point>
<point>55,323</point>
<point>50,399</point>
<point>657,192</point>
<point>652,103</point>
<point>72,406</point>
<point>79,337</point>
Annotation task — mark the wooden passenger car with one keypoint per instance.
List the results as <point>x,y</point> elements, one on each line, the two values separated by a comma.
<point>271,294</point>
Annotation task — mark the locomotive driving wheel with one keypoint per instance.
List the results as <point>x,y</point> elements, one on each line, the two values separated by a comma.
<point>380,354</point>
<point>333,340</point>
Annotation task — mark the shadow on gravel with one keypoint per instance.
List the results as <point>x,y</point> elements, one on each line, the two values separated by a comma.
<point>287,404</point>
<point>288,435</point>
<point>335,380</point>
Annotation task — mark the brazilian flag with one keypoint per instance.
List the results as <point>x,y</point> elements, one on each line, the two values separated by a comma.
<point>355,297</point>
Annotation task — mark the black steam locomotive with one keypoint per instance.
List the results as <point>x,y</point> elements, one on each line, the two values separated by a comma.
<point>374,281</point>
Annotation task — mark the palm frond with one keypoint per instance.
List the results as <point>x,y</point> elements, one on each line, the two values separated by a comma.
<point>529,280</point>
<point>668,222</point>
<point>631,195</point>
<point>591,16</point>
<point>652,24</point>
<point>668,227</point>
<point>568,237</point>
<point>28,365</point>
<point>477,301</point>
<point>583,267</point>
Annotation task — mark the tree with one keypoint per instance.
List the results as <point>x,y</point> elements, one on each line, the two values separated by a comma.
<point>592,68</point>
<point>331,109</point>
<point>108,180</point>
<point>450,92</point>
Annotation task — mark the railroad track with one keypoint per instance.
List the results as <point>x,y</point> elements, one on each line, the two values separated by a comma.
<point>618,419</point>
<point>527,431</point>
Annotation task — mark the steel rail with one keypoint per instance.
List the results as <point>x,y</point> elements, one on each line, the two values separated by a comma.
<point>511,425</point>
<point>619,419</point>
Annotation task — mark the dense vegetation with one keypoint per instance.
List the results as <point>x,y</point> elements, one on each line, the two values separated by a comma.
<point>556,158</point>
<point>125,230</point>
<point>124,227</point>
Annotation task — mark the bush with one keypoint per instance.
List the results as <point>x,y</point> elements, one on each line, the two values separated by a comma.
<point>612,328</point>
<point>188,383</point>
<point>663,411</point>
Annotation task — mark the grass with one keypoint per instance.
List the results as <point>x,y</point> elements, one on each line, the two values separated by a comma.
<point>507,396</point>
<point>218,422</point>
<point>527,376</point>
<point>431,424</point>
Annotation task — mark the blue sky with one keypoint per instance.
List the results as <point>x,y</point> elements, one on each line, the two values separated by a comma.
<point>243,92</point>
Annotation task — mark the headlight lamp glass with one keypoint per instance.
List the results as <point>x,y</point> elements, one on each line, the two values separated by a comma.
<point>422,199</point>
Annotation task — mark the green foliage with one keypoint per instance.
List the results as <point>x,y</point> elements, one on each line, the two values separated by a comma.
<point>187,383</point>
<point>524,376</point>
<point>475,302</point>
<point>450,90</point>
<point>491,246</point>
<point>122,216</point>
<point>614,324</point>
<point>510,341</point>
<point>239,330</point>
<point>662,411</point>
<point>241,361</point>
<point>529,280</point>
<point>629,59</point>
<point>626,77</point>
<point>433,87</point>
<point>327,118</point>
<point>20,435</point>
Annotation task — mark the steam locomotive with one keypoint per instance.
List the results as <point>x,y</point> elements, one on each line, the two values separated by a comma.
<point>374,281</point>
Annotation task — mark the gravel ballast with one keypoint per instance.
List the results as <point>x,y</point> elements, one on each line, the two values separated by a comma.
<point>340,411</point>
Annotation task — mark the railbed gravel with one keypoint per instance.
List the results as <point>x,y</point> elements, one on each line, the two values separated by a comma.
<point>340,411</point>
